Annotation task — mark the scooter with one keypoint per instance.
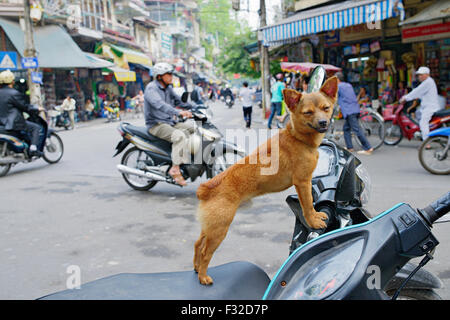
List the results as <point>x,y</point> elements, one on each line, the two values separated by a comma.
<point>149,160</point>
<point>341,187</point>
<point>14,147</point>
<point>434,154</point>
<point>112,111</point>
<point>399,124</point>
<point>59,118</point>
<point>352,263</point>
<point>229,101</point>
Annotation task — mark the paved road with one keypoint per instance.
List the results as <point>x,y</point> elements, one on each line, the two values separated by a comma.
<point>80,212</point>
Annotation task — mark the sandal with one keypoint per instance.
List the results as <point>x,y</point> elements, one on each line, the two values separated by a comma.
<point>178,177</point>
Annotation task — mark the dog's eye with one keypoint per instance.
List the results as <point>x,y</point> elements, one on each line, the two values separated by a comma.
<point>308,113</point>
<point>326,108</point>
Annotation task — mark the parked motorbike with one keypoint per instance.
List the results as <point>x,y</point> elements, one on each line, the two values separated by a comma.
<point>352,263</point>
<point>149,160</point>
<point>341,187</point>
<point>399,124</point>
<point>434,154</point>
<point>59,118</point>
<point>14,147</point>
<point>112,111</point>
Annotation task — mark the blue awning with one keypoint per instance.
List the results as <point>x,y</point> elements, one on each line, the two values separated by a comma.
<point>331,17</point>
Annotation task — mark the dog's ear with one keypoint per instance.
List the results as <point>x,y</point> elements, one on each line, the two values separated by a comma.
<point>330,88</point>
<point>291,97</point>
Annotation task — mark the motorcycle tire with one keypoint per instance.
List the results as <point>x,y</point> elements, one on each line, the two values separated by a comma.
<point>4,169</point>
<point>48,148</point>
<point>389,127</point>
<point>416,294</point>
<point>423,158</point>
<point>140,187</point>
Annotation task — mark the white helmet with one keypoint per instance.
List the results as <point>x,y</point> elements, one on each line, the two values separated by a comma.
<point>162,68</point>
<point>6,77</point>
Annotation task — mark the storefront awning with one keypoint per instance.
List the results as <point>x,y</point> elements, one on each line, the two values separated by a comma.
<point>123,75</point>
<point>437,11</point>
<point>133,56</point>
<point>329,18</point>
<point>55,48</point>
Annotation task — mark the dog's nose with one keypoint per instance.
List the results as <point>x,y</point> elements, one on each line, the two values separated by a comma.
<point>323,123</point>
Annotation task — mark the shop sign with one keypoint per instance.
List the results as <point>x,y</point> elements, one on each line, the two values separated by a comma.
<point>332,39</point>
<point>359,32</point>
<point>8,60</point>
<point>30,63</point>
<point>426,33</point>
<point>36,77</point>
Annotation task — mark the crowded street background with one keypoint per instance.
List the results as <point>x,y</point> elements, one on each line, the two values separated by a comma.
<point>79,70</point>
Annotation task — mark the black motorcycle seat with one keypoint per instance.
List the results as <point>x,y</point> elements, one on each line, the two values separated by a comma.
<point>442,113</point>
<point>142,132</point>
<point>232,281</point>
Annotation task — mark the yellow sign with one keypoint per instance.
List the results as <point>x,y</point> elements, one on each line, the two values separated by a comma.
<point>125,76</point>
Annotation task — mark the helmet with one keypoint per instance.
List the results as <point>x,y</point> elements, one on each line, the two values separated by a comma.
<point>6,77</point>
<point>162,68</point>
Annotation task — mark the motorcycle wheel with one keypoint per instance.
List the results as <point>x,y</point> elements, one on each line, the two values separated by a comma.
<point>416,294</point>
<point>53,149</point>
<point>428,157</point>
<point>393,133</point>
<point>4,169</point>
<point>224,161</point>
<point>135,158</point>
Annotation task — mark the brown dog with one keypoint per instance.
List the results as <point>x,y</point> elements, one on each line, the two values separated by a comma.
<point>295,149</point>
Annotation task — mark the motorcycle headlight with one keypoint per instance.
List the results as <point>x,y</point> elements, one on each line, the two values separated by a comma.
<point>325,273</point>
<point>325,162</point>
<point>365,184</point>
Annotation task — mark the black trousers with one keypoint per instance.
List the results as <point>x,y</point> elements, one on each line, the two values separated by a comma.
<point>34,131</point>
<point>248,115</point>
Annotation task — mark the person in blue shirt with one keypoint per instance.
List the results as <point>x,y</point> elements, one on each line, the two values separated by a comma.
<point>277,98</point>
<point>350,111</point>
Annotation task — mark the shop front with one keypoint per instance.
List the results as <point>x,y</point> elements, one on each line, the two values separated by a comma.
<point>428,34</point>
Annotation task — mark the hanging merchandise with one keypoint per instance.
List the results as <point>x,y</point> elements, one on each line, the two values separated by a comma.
<point>409,59</point>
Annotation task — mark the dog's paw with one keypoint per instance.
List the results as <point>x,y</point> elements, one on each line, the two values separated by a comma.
<point>317,220</point>
<point>205,280</point>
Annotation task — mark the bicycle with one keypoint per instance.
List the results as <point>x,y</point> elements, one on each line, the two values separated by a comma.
<point>370,121</point>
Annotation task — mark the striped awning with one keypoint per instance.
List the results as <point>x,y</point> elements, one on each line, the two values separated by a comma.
<point>331,17</point>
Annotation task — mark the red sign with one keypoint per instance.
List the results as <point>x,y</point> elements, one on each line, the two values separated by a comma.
<point>422,31</point>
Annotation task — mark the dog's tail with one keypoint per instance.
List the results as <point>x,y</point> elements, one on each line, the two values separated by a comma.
<point>206,189</point>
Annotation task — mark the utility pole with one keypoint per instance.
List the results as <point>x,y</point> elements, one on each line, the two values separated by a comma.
<point>264,60</point>
<point>30,51</point>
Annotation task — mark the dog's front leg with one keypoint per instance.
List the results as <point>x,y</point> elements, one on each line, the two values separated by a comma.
<point>314,219</point>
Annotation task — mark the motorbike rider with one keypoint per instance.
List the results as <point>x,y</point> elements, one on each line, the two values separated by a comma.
<point>428,94</point>
<point>161,117</point>
<point>12,104</point>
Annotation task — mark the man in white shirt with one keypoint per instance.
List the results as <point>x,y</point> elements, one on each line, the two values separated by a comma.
<point>245,94</point>
<point>429,101</point>
<point>69,105</point>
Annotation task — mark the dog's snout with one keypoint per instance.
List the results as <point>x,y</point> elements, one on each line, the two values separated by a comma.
<point>323,123</point>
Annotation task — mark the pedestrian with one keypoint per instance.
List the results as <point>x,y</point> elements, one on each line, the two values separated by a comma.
<point>277,98</point>
<point>401,91</point>
<point>363,97</point>
<point>69,105</point>
<point>429,100</point>
<point>350,111</point>
<point>245,94</point>
<point>88,110</point>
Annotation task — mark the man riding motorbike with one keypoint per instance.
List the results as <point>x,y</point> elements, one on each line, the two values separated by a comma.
<point>161,117</point>
<point>12,104</point>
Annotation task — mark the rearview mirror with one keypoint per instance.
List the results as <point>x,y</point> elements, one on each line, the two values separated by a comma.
<point>316,79</point>
<point>184,97</point>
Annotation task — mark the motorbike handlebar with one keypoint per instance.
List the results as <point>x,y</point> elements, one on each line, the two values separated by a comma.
<point>437,209</point>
